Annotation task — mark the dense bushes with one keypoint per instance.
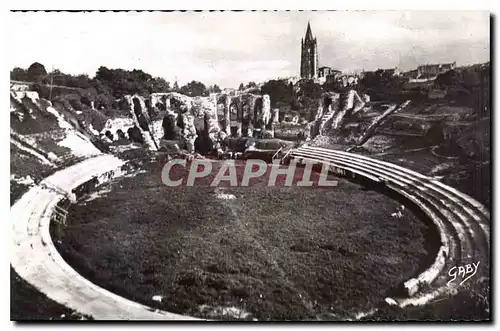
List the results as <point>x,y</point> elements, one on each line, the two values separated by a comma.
<point>103,89</point>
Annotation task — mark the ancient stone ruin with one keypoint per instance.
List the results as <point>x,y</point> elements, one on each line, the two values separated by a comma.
<point>198,123</point>
<point>243,114</point>
<point>333,109</point>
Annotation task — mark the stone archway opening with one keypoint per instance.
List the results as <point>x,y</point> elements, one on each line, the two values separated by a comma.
<point>137,107</point>
<point>135,135</point>
<point>245,119</point>
<point>120,134</point>
<point>170,128</point>
<point>151,112</point>
<point>221,113</point>
<point>203,144</point>
<point>234,119</point>
<point>259,123</point>
<point>109,135</point>
<point>138,111</point>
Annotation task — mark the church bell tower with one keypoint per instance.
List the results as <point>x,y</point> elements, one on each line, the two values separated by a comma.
<point>309,56</point>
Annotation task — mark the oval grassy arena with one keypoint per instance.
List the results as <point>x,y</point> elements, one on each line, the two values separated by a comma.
<point>257,252</point>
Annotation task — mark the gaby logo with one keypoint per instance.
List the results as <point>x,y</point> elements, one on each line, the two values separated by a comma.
<point>200,172</point>
<point>463,271</point>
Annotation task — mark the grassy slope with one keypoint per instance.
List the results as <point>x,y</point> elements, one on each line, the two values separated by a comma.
<point>285,253</point>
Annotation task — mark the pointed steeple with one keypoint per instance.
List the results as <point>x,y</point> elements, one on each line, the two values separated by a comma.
<point>309,35</point>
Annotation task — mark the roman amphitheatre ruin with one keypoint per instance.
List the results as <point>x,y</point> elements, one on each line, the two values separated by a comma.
<point>94,229</point>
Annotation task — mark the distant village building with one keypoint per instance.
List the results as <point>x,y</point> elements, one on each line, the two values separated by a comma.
<point>410,74</point>
<point>392,71</point>
<point>309,56</point>
<point>309,69</point>
<point>327,74</point>
<point>324,71</point>
<point>386,72</point>
<point>292,80</point>
<point>435,69</point>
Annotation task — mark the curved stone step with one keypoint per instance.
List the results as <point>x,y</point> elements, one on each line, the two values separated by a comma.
<point>463,242</point>
<point>35,258</point>
<point>461,212</point>
<point>466,203</point>
<point>478,229</point>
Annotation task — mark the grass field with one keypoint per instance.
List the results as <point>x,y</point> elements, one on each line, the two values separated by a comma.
<point>265,253</point>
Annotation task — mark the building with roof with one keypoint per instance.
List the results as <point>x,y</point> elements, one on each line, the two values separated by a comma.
<point>429,70</point>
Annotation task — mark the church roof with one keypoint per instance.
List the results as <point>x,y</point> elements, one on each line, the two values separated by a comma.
<point>309,35</point>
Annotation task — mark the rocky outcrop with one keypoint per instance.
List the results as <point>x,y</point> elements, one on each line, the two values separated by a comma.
<point>333,110</point>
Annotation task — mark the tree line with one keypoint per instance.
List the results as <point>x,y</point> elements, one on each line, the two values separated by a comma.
<point>108,84</point>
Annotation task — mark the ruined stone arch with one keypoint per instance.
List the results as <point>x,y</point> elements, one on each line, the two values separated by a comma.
<point>234,112</point>
<point>246,111</point>
<point>257,113</point>
<point>170,128</point>
<point>120,134</point>
<point>137,106</point>
<point>135,135</point>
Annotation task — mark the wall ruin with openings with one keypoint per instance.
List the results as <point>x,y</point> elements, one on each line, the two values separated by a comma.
<point>199,123</point>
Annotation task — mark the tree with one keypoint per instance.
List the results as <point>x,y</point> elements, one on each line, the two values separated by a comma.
<point>104,74</point>
<point>311,90</point>
<point>157,85</point>
<point>251,85</point>
<point>214,89</point>
<point>124,82</point>
<point>19,74</point>
<point>278,92</point>
<point>241,88</point>
<point>379,80</point>
<point>447,79</point>
<point>194,89</point>
<point>176,87</point>
<point>36,72</point>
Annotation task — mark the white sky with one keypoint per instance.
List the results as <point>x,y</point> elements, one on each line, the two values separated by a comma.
<point>227,48</point>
